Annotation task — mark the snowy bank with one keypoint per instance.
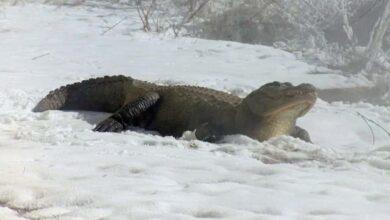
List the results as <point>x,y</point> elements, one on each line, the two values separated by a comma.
<point>54,167</point>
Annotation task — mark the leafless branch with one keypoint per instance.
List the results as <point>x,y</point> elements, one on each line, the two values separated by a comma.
<point>376,123</point>
<point>113,26</point>
<point>40,56</point>
<point>192,12</point>
<point>369,126</point>
<point>145,12</point>
<point>365,12</point>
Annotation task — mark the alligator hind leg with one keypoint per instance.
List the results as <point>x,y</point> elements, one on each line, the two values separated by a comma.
<point>128,114</point>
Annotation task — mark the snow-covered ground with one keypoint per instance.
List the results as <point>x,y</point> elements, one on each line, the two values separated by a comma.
<point>52,166</point>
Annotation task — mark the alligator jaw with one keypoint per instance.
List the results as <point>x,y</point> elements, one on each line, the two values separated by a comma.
<point>300,103</point>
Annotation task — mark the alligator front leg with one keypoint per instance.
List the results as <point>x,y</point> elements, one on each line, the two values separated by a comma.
<point>207,132</point>
<point>300,133</point>
<point>127,115</point>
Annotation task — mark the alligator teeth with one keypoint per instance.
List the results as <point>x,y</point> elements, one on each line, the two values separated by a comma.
<point>291,93</point>
<point>295,92</point>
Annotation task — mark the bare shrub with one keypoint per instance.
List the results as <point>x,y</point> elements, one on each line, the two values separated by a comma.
<point>145,12</point>
<point>193,8</point>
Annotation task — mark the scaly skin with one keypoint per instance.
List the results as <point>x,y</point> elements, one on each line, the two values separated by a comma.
<point>267,112</point>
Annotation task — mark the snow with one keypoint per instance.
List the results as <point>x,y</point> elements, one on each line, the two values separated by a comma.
<point>54,167</point>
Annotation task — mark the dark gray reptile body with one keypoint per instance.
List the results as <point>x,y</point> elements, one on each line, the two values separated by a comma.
<point>177,108</point>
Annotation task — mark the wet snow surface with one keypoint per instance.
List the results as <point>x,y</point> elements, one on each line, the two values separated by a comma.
<point>52,166</point>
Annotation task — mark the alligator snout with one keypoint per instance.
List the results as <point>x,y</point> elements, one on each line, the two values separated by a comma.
<point>301,89</point>
<point>306,87</point>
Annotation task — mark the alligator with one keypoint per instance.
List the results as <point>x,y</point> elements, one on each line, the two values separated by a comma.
<point>271,110</point>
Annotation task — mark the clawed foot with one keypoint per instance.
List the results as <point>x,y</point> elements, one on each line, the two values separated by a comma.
<point>109,125</point>
<point>206,133</point>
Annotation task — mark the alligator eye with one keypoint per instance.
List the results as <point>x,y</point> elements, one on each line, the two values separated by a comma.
<point>275,83</point>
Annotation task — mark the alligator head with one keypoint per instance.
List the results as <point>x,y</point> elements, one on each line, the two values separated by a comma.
<point>273,109</point>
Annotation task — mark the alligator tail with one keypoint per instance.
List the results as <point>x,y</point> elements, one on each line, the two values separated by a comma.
<point>105,94</point>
